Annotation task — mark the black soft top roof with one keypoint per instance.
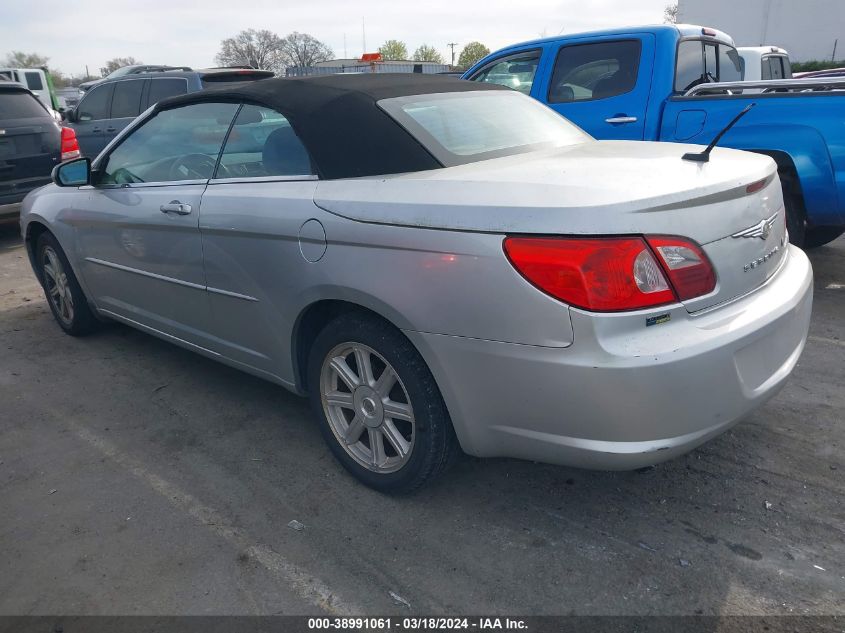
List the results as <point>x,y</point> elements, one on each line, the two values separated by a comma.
<point>338,119</point>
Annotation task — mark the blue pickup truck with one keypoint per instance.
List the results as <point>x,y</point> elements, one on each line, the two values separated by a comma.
<point>653,83</point>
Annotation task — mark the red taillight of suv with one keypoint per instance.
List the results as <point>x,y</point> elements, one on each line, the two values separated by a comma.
<point>70,146</point>
<point>613,274</point>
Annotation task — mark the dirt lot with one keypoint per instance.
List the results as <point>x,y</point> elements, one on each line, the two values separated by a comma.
<point>138,478</point>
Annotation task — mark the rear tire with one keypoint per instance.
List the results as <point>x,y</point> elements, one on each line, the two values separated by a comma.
<point>64,295</point>
<point>379,408</point>
<point>796,220</point>
<point>820,235</point>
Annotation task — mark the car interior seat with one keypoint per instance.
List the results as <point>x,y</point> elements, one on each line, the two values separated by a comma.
<point>284,154</point>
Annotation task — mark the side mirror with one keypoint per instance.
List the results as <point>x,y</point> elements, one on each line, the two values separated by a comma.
<point>69,115</point>
<point>73,173</point>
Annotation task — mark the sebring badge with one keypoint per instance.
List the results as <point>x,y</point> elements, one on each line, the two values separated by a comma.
<point>763,229</point>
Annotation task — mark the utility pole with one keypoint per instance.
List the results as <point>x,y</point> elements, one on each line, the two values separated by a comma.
<point>452,45</point>
<point>363,36</point>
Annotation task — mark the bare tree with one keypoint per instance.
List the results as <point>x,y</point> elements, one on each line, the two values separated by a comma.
<point>472,53</point>
<point>426,53</point>
<point>19,59</point>
<point>301,49</point>
<point>393,50</point>
<point>118,62</point>
<point>670,14</point>
<point>259,49</point>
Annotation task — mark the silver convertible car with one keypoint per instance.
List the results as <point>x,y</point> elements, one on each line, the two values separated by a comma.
<point>439,265</point>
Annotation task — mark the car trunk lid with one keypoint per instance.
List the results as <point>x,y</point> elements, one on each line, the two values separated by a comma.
<point>594,188</point>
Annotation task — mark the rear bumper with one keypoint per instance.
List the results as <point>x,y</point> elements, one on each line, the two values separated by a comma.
<point>624,395</point>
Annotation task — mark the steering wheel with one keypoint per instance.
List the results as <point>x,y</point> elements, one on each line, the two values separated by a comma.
<point>192,167</point>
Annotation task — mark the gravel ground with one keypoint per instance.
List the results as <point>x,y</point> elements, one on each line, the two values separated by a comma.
<point>138,478</point>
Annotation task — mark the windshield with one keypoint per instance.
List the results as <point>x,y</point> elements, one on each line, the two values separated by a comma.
<point>463,127</point>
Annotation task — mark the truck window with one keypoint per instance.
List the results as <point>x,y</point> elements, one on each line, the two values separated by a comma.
<point>766,68</point>
<point>587,72</point>
<point>690,66</point>
<point>33,80</point>
<point>775,67</point>
<point>514,71</point>
<point>702,62</point>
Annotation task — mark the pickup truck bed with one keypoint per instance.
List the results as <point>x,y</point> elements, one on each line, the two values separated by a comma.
<point>656,83</point>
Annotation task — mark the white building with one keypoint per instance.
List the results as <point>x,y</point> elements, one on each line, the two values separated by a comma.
<point>808,29</point>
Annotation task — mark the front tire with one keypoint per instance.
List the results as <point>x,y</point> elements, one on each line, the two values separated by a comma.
<point>379,408</point>
<point>64,295</point>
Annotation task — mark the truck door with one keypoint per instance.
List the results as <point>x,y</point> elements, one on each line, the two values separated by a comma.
<point>603,84</point>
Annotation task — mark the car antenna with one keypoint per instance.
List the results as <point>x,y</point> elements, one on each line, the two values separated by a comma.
<point>703,157</point>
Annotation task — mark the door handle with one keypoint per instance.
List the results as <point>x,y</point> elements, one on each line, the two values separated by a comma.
<point>176,207</point>
<point>621,119</point>
<point>96,130</point>
<point>110,130</point>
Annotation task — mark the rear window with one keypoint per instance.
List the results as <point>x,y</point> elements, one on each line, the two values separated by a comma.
<point>20,105</point>
<point>463,127</point>
<point>705,62</point>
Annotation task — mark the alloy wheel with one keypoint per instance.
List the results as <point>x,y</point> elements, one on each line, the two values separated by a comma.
<point>58,288</point>
<point>367,407</point>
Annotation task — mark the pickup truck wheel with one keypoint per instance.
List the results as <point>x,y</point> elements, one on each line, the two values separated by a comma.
<point>796,221</point>
<point>820,235</point>
<point>379,408</point>
<point>64,295</point>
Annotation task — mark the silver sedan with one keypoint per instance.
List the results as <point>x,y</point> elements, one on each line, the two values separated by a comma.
<point>439,265</point>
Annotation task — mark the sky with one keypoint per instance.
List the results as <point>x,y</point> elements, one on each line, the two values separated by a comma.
<point>188,32</point>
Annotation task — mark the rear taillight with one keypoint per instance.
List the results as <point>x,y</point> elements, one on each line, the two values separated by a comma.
<point>612,274</point>
<point>70,146</point>
<point>690,272</point>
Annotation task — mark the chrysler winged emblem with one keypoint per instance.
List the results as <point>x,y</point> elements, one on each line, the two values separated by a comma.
<point>763,229</point>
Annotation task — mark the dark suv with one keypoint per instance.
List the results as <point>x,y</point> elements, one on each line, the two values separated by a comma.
<point>31,144</point>
<point>112,104</point>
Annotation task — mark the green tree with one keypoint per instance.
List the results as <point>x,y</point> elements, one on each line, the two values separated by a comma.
<point>472,53</point>
<point>118,62</point>
<point>19,59</point>
<point>426,53</point>
<point>800,67</point>
<point>670,13</point>
<point>393,50</point>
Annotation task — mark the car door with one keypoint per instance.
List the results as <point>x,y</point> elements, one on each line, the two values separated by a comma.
<point>138,226</point>
<point>125,107</point>
<point>259,235</point>
<point>90,117</point>
<point>603,85</point>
